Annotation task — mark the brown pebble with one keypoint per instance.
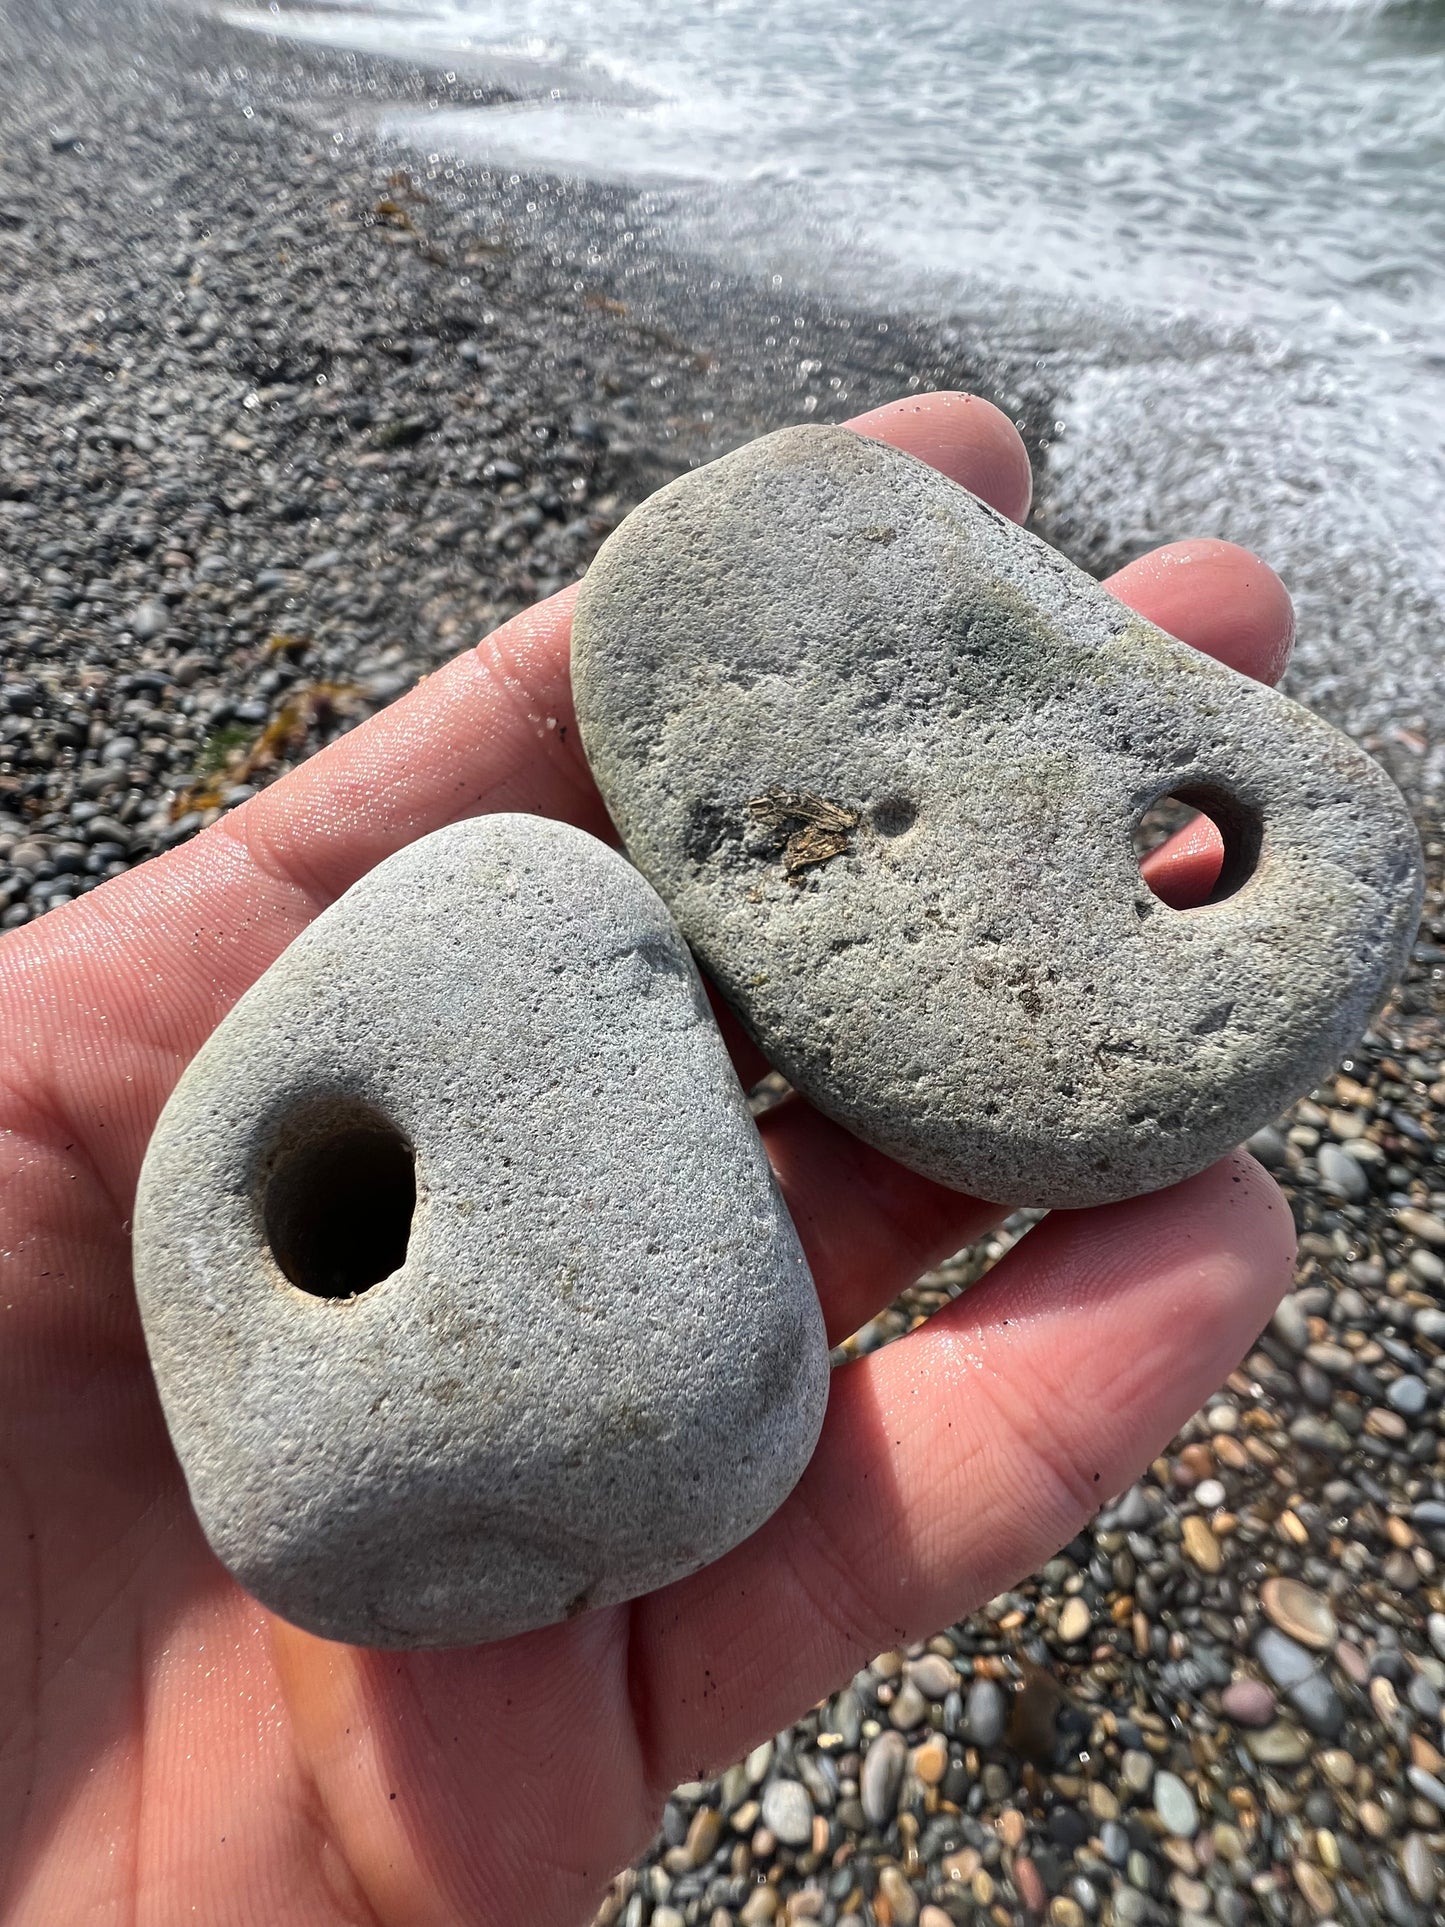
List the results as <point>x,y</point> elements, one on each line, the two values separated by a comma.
<point>760,1907</point>
<point>1011,1828</point>
<point>931,1916</point>
<point>930,1761</point>
<point>1297,1610</point>
<point>1201,1547</point>
<point>1319,1895</point>
<point>703,1836</point>
<point>900,1899</point>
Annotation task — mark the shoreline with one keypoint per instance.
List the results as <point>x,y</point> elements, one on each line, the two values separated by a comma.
<point>286,423</point>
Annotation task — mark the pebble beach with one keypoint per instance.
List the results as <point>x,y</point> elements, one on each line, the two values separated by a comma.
<point>289,419</point>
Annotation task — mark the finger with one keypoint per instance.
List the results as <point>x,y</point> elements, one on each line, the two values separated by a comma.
<point>965,1455</point>
<point>868,1226</point>
<point>966,437</point>
<point>1219,599</point>
<point>1183,871</point>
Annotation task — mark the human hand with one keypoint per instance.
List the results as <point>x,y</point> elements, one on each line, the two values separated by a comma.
<point>174,1751</point>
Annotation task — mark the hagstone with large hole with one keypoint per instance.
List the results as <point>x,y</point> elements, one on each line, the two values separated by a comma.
<point>471,1298</point>
<point>883,754</point>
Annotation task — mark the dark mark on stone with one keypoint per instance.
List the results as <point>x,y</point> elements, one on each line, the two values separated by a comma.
<point>816,829</point>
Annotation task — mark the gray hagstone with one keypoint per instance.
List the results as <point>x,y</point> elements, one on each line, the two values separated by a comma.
<point>594,1362</point>
<point>883,753</point>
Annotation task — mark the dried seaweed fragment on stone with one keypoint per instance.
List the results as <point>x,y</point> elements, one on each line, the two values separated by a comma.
<point>816,830</point>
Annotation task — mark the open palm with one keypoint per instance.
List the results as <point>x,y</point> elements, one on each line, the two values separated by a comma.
<point>168,1749</point>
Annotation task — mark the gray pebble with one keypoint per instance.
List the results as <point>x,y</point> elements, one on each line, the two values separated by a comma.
<point>1115,1842</point>
<point>846,1719</point>
<point>1174,1804</point>
<point>788,1812</point>
<point>470,1296</point>
<point>1283,1658</point>
<point>1341,1173</point>
<point>1268,1146</point>
<point>1418,1864</point>
<point>883,751</point>
<point>1318,1705</point>
<point>149,620</point>
<point>881,1778</point>
<point>1424,1696</point>
<point>984,1712</point>
<point>1290,1323</point>
<point>1427,1786</point>
<point>934,1677</point>
<point>1408,1395</point>
<point>908,1708</point>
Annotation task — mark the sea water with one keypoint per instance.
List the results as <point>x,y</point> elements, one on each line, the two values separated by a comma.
<point>1218,226</point>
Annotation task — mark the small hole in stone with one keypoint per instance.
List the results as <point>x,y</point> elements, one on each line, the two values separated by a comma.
<point>339,1199</point>
<point>1197,845</point>
<point>892,815</point>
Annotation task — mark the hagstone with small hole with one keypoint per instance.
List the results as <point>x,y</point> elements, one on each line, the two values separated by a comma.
<point>470,1296</point>
<point>884,753</point>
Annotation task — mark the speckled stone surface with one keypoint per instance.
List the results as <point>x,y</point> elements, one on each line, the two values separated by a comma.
<point>882,753</point>
<point>599,1361</point>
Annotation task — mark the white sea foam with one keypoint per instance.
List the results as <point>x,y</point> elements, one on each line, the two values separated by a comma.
<point>1221,221</point>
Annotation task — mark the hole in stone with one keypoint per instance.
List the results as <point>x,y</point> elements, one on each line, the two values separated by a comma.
<point>339,1199</point>
<point>1197,845</point>
<point>892,815</point>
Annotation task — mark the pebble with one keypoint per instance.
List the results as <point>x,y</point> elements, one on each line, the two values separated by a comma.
<point>803,832</point>
<point>1201,1547</point>
<point>1420,1868</point>
<point>1409,1395</point>
<point>1428,1786</point>
<point>901,1899</point>
<point>984,1712</point>
<point>1318,1894</point>
<point>1075,1621</point>
<point>908,1708</point>
<point>1318,1705</point>
<point>881,1778</point>
<point>934,1676</point>
<point>1248,1702</point>
<point>1174,1804</point>
<point>1279,1745</point>
<point>1298,1611</point>
<point>459,1529</point>
<point>788,1812</point>
<point>1422,1224</point>
<point>1032,1892</point>
<point>1286,1662</point>
<point>1136,1769</point>
<point>1343,1174</point>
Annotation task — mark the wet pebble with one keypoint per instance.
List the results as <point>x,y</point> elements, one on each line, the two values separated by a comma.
<point>881,1778</point>
<point>787,1812</point>
<point>984,1712</point>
